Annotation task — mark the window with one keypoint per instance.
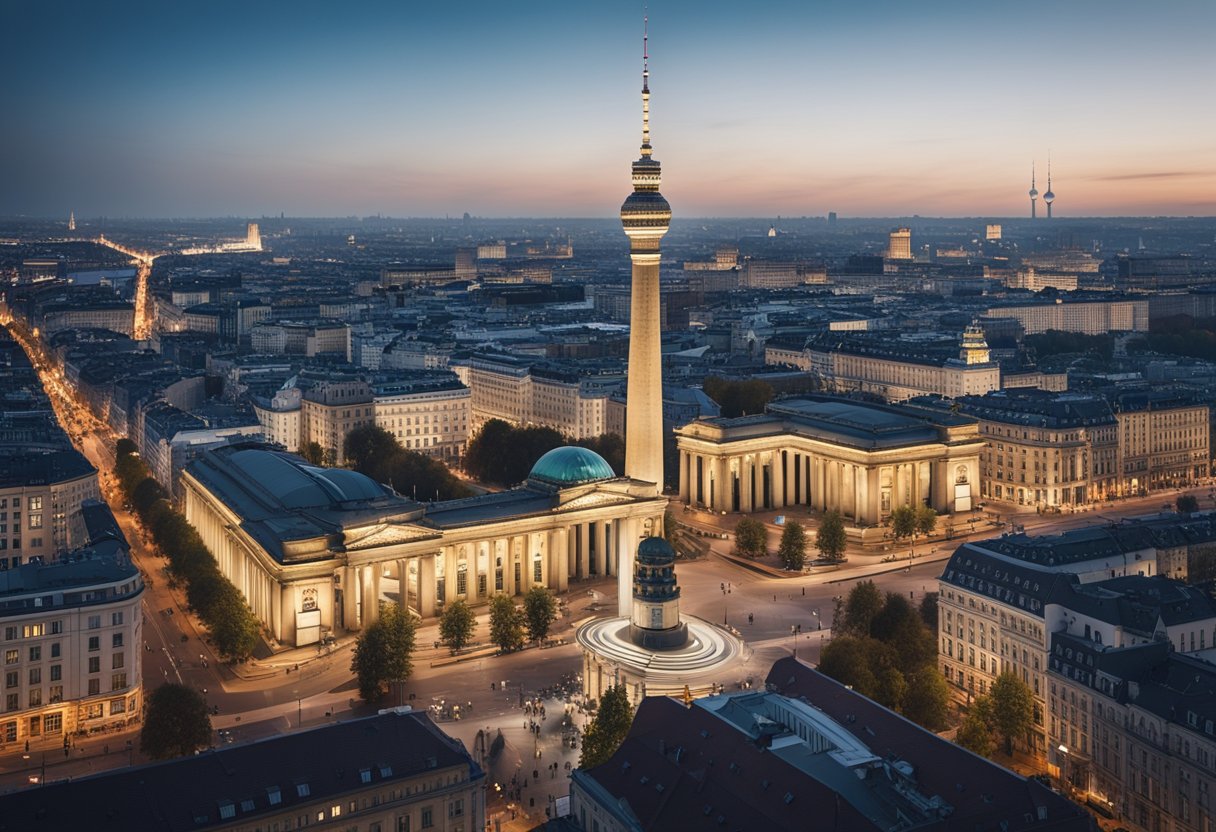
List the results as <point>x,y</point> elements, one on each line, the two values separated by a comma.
<point>56,672</point>
<point>56,694</point>
<point>456,808</point>
<point>36,653</point>
<point>8,730</point>
<point>117,661</point>
<point>403,822</point>
<point>11,679</point>
<point>94,622</point>
<point>118,681</point>
<point>116,640</point>
<point>35,504</point>
<point>12,702</point>
<point>36,521</point>
<point>35,697</point>
<point>115,619</point>
<point>94,687</point>
<point>94,711</point>
<point>428,819</point>
<point>35,675</point>
<point>10,633</point>
<point>56,627</point>
<point>33,630</point>
<point>95,664</point>
<point>302,790</point>
<point>118,706</point>
<point>12,656</point>
<point>94,643</point>
<point>55,650</point>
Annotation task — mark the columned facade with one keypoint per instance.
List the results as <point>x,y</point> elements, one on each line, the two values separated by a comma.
<point>811,453</point>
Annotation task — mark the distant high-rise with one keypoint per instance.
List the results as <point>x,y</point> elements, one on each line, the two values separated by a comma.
<point>253,238</point>
<point>1048,197</point>
<point>900,245</point>
<point>1034,193</point>
<point>992,232</point>
<point>71,221</point>
<point>831,217</point>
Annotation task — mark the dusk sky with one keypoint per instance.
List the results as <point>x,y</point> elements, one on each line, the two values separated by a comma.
<point>867,108</point>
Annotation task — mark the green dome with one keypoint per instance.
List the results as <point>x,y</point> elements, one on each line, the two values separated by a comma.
<point>571,465</point>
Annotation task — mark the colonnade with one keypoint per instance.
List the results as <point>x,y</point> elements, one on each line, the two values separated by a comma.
<point>774,479</point>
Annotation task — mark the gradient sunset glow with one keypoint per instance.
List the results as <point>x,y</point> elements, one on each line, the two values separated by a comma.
<point>759,109</point>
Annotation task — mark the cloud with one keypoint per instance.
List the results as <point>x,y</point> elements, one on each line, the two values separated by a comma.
<point>1163,174</point>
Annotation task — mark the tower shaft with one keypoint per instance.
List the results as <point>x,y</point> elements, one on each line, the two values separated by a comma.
<point>644,388</point>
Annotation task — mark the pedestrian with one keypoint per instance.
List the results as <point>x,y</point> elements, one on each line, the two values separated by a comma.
<point>804,591</point>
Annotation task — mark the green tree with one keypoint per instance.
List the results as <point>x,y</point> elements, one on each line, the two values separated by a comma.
<point>176,723</point>
<point>908,523</point>
<point>124,447</point>
<point>927,698</point>
<point>898,624</point>
<point>928,611</point>
<point>792,550</point>
<point>366,445</point>
<point>738,398</point>
<point>751,538</point>
<point>862,606</point>
<point>506,623</point>
<point>926,520</point>
<point>608,728</point>
<point>540,611</point>
<point>975,734</point>
<point>313,453</point>
<point>861,662</point>
<point>456,625</point>
<point>384,652</point>
<point>1187,504</point>
<point>892,688</point>
<point>831,538</point>
<point>1012,708</point>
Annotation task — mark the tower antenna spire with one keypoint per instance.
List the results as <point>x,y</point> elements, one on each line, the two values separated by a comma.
<point>645,84</point>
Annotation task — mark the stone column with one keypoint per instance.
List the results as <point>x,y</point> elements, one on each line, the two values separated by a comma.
<point>601,548</point>
<point>777,474</point>
<point>721,501</point>
<point>426,586</point>
<point>791,475</point>
<point>276,611</point>
<point>584,548</point>
<point>626,551</point>
<point>403,584</point>
<point>350,599</point>
<point>449,575</point>
<point>366,600</point>
<point>745,485</point>
<point>685,458</point>
<point>559,559</point>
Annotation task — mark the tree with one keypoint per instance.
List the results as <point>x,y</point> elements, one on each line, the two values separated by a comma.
<point>898,624</point>
<point>928,611</point>
<point>124,447</point>
<point>1012,708</point>
<point>792,550</point>
<point>313,453</point>
<point>176,723</point>
<point>860,662</point>
<point>1187,504</point>
<point>456,625</point>
<point>233,627</point>
<point>751,538</point>
<point>831,538</point>
<point>926,520</point>
<point>862,606</point>
<point>384,652</point>
<point>608,728</point>
<point>738,398</point>
<point>892,688</point>
<point>975,734</point>
<point>540,610</point>
<point>368,444</point>
<point>506,623</point>
<point>927,698</point>
<point>907,523</point>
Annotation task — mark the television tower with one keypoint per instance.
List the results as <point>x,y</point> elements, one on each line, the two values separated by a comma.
<point>1048,197</point>
<point>1034,192</point>
<point>71,221</point>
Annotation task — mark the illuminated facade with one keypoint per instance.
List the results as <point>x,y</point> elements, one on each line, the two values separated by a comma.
<point>319,549</point>
<point>831,454</point>
<point>899,244</point>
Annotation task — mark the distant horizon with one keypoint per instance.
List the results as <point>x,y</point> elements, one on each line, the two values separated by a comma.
<point>606,218</point>
<point>874,108</point>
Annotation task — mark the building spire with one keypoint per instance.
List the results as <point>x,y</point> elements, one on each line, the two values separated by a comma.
<point>646,86</point>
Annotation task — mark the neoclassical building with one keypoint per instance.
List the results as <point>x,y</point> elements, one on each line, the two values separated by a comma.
<point>831,453</point>
<point>318,549</point>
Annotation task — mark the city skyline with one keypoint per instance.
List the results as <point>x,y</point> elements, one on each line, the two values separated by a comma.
<point>873,110</point>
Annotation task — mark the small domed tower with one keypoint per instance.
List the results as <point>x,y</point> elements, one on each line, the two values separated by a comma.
<point>655,619</point>
<point>975,346</point>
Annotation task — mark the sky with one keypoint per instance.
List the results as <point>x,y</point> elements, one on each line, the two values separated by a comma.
<point>761,108</point>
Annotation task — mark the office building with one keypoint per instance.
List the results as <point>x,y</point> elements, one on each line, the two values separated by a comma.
<point>899,244</point>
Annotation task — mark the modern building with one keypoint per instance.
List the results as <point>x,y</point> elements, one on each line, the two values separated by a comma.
<point>899,244</point>
<point>72,639</point>
<point>386,773</point>
<point>805,753</point>
<point>1131,731</point>
<point>316,549</point>
<point>829,453</point>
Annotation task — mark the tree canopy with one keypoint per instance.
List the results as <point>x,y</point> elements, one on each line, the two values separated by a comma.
<point>862,606</point>
<point>607,730</point>
<point>1012,708</point>
<point>792,550</point>
<point>738,398</point>
<point>503,454</point>
<point>373,451</point>
<point>540,610</point>
<point>1187,504</point>
<point>384,652</point>
<point>456,625</point>
<point>751,538</point>
<point>831,538</point>
<point>506,623</point>
<point>176,723</point>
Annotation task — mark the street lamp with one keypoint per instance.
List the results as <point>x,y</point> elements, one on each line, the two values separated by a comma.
<point>299,708</point>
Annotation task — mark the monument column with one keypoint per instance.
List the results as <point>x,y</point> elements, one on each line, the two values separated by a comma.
<point>426,586</point>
